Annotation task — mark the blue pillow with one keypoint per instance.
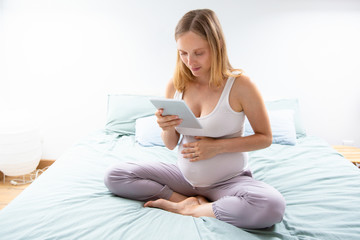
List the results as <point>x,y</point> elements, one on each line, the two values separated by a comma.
<point>290,104</point>
<point>282,127</point>
<point>123,110</point>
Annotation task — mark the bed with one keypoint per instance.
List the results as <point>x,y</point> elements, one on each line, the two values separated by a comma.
<point>70,200</point>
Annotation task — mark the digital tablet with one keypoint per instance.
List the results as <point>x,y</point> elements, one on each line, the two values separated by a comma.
<point>179,108</point>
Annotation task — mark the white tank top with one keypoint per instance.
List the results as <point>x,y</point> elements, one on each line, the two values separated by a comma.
<point>222,122</point>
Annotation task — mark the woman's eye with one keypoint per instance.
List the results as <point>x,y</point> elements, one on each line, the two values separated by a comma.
<point>199,54</point>
<point>182,54</point>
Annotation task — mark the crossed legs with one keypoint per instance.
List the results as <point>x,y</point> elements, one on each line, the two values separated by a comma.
<point>241,201</point>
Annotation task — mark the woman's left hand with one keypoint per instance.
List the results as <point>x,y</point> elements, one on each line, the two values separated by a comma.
<point>202,149</point>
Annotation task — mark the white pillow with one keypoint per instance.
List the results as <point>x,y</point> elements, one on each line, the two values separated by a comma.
<point>148,132</point>
<point>282,126</point>
<point>289,104</point>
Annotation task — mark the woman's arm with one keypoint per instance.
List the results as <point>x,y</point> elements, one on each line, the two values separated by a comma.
<point>248,98</point>
<point>169,135</point>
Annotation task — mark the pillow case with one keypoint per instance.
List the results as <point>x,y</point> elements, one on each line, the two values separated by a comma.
<point>123,110</point>
<point>289,104</point>
<point>282,127</point>
<point>148,132</point>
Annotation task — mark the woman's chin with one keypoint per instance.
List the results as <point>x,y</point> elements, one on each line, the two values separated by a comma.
<point>196,73</point>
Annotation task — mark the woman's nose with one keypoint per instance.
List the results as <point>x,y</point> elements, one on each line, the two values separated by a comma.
<point>190,60</point>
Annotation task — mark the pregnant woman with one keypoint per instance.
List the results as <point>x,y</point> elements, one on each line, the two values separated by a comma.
<point>211,177</point>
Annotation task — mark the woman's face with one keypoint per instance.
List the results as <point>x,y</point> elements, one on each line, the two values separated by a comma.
<point>195,53</point>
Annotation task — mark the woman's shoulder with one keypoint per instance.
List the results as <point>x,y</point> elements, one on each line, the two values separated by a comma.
<point>245,88</point>
<point>242,81</point>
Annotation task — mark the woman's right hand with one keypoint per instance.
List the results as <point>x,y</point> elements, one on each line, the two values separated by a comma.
<point>168,122</point>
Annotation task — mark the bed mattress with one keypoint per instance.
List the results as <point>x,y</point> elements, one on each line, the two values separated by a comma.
<point>70,200</point>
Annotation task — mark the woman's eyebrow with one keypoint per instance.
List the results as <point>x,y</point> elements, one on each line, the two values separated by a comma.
<point>197,49</point>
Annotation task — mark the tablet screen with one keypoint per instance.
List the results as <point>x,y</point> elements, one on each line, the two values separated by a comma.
<point>179,108</point>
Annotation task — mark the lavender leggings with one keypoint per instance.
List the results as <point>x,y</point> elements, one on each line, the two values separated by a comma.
<point>241,201</point>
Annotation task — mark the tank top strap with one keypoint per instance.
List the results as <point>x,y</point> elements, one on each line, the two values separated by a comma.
<point>228,86</point>
<point>178,95</point>
<point>224,99</point>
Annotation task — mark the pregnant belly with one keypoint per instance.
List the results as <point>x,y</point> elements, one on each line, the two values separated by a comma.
<point>207,172</point>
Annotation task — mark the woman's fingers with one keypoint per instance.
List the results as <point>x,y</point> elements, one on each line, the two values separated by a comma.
<point>191,155</point>
<point>167,122</point>
<point>191,152</point>
<point>170,124</point>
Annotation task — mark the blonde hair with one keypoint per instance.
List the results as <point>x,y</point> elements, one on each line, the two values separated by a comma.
<point>204,23</point>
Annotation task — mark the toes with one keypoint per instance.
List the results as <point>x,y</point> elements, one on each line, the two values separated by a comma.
<point>155,203</point>
<point>148,204</point>
<point>160,203</point>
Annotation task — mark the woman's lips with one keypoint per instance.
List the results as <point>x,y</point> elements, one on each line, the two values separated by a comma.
<point>195,69</point>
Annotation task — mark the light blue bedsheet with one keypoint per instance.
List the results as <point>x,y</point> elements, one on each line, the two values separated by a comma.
<point>70,201</point>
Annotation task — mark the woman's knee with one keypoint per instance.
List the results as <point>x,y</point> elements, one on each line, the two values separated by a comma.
<point>275,209</point>
<point>250,211</point>
<point>116,176</point>
<point>271,210</point>
<point>133,181</point>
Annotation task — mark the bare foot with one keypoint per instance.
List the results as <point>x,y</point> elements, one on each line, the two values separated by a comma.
<point>184,207</point>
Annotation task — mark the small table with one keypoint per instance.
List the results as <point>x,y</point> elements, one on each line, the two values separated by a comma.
<point>350,153</point>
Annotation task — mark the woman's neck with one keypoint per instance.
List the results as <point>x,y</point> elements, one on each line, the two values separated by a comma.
<point>202,80</point>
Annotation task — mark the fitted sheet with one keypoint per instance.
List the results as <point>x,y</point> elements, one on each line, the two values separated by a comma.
<point>70,200</point>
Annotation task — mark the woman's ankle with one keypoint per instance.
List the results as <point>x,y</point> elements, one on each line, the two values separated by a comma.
<point>177,197</point>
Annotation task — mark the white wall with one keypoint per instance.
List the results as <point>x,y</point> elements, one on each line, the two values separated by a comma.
<point>61,58</point>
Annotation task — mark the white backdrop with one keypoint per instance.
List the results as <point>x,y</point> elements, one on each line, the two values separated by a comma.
<point>61,58</point>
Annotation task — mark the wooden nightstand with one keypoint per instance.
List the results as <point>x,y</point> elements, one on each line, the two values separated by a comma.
<point>350,153</point>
